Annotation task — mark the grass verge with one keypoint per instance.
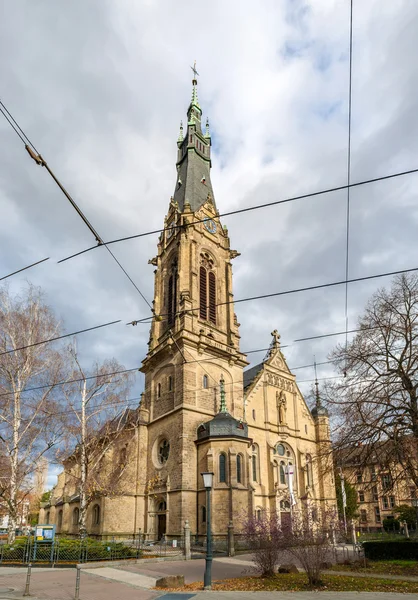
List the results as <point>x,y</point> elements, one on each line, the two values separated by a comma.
<point>297,582</point>
<point>385,567</point>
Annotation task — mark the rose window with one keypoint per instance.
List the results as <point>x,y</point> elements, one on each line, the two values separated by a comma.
<point>164,451</point>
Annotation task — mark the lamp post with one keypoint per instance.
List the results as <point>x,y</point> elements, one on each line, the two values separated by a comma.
<point>207,580</point>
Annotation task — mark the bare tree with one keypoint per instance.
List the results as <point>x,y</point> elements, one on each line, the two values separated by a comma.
<point>29,426</point>
<point>97,417</point>
<point>376,398</point>
<point>307,537</point>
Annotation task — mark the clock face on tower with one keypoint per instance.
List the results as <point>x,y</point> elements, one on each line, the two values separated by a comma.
<point>210,225</point>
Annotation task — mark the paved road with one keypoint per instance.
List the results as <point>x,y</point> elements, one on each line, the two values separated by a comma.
<point>118,582</point>
<point>222,568</point>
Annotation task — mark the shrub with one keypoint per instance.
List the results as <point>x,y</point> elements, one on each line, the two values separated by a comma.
<point>391,550</point>
<point>391,524</point>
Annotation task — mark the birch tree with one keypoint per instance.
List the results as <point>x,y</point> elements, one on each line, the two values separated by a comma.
<point>98,416</point>
<point>29,424</point>
<point>376,398</point>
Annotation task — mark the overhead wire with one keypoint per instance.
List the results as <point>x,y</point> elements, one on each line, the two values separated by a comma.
<point>287,292</point>
<point>37,157</point>
<point>59,337</point>
<point>347,248</point>
<point>24,268</point>
<point>247,209</point>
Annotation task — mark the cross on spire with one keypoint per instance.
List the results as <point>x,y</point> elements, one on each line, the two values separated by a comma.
<point>195,73</point>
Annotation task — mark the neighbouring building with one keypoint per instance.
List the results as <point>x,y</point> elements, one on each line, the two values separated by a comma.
<point>201,410</point>
<point>379,481</point>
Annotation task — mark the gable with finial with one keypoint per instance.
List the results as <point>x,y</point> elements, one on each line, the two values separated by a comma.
<point>274,356</point>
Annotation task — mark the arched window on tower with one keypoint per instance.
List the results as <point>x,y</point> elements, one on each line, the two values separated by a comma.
<point>207,289</point>
<point>205,382</point>
<point>203,294</point>
<point>212,297</point>
<point>222,468</point>
<point>172,296</point>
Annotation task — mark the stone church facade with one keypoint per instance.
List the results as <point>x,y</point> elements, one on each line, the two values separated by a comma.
<point>201,409</point>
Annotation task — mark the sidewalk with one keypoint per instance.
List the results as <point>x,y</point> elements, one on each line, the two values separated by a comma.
<point>134,582</point>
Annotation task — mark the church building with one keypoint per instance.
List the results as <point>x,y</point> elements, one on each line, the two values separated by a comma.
<point>202,409</point>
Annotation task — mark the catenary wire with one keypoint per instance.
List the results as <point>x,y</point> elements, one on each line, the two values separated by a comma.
<point>24,268</point>
<point>36,156</point>
<point>292,291</point>
<point>350,97</point>
<point>60,337</point>
<point>248,209</point>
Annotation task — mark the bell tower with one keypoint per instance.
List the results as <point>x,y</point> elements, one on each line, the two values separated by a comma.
<point>194,338</point>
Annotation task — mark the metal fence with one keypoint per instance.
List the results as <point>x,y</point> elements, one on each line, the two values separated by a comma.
<point>68,551</point>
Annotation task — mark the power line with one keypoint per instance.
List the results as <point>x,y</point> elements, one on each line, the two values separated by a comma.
<point>60,337</point>
<point>347,242</point>
<point>292,291</point>
<point>36,156</point>
<point>24,268</point>
<point>247,209</point>
<point>67,381</point>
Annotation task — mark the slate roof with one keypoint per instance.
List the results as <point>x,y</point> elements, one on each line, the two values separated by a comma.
<point>193,168</point>
<point>222,425</point>
<point>250,374</point>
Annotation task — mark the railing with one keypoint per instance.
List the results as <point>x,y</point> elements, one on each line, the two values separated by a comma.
<point>68,551</point>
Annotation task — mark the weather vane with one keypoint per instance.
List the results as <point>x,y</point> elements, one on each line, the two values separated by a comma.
<point>194,70</point>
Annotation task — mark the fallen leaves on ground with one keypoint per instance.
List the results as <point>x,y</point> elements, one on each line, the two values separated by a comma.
<point>385,567</point>
<point>298,582</point>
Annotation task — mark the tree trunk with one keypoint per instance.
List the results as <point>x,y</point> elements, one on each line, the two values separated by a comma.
<point>14,464</point>
<point>83,465</point>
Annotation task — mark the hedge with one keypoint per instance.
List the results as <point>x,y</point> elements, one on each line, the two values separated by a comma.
<point>391,550</point>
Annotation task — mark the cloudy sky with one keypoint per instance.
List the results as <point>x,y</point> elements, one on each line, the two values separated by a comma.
<point>100,88</point>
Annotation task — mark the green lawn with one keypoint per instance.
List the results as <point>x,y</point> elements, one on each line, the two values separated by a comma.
<point>297,582</point>
<point>389,567</point>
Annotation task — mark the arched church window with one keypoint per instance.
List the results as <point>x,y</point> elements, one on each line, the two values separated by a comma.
<point>96,514</point>
<point>207,289</point>
<point>164,451</point>
<point>76,514</point>
<point>309,478</point>
<point>59,524</point>
<point>205,382</point>
<point>282,473</point>
<point>170,384</point>
<point>172,295</point>
<point>159,390</point>
<point>254,462</point>
<point>222,468</point>
<point>162,506</point>
<point>212,297</point>
<point>239,468</point>
<point>47,518</point>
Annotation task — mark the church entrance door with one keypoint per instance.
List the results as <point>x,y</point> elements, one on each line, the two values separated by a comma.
<point>285,520</point>
<point>162,525</point>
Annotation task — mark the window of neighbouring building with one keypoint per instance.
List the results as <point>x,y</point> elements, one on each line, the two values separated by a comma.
<point>361,496</point>
<point>377,514</point>
<point>363,515</point>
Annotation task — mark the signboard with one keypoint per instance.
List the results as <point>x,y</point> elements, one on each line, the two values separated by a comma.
<point>45,533</point>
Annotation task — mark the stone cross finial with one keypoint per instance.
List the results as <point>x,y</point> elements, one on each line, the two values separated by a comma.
<point>276,338</point>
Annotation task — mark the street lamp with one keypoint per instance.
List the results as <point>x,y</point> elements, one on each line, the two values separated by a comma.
<point>207,580</point>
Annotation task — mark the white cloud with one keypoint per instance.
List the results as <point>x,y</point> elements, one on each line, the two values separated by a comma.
<point>101,90</point>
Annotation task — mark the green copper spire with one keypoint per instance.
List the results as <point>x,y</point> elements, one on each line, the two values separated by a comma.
<point>222,408</point>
